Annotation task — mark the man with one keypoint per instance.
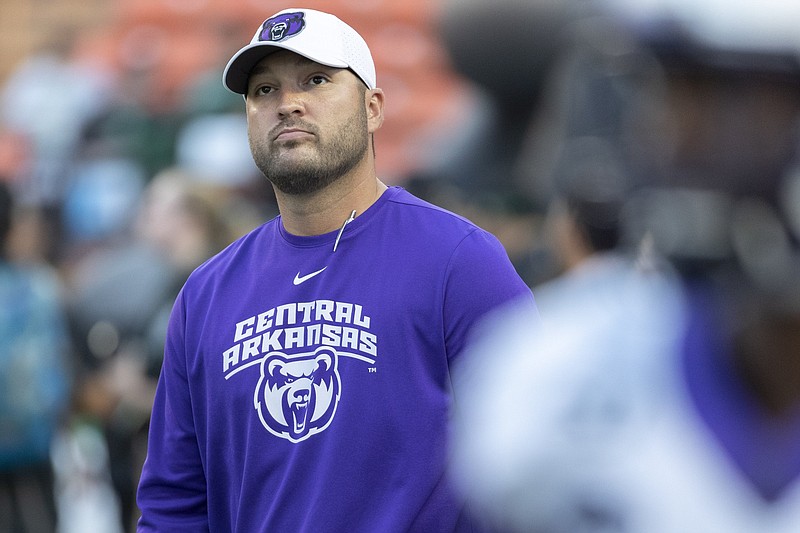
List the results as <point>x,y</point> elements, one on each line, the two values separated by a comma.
<point>305,384</point>
<point>665,402</point>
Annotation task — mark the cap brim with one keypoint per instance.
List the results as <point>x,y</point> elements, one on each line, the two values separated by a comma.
<point>237,72</point>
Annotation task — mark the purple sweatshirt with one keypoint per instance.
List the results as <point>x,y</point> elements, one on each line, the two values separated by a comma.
<point>306,389</point>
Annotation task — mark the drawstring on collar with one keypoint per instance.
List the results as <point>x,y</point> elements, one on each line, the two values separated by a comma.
<point>346,222</point>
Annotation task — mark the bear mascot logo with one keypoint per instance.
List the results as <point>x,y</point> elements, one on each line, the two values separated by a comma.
<point>282,26</point>
<point>297,395</point>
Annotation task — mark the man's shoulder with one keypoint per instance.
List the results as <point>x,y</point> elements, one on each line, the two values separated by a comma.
<point>431,216</point>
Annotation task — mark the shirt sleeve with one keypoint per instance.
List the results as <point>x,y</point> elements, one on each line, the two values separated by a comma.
<point>481,279</point>
<point>172,490</point>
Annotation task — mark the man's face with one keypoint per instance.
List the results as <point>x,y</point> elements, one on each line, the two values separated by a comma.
<point>307,123</point>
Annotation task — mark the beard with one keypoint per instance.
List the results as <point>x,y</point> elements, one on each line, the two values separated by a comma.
<point>332,159</point>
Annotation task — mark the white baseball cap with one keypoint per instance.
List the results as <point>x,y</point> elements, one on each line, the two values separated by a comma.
<point>321,37</point>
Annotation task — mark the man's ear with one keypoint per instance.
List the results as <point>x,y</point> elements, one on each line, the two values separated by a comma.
<point>373,100</point>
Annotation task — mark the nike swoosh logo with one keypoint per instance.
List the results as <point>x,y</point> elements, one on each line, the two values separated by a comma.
<point>298,279</point>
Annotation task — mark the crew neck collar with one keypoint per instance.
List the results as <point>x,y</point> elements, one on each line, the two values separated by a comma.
<point>355,226</point>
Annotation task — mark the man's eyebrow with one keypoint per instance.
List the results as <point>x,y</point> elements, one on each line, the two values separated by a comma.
<point>258,69</point>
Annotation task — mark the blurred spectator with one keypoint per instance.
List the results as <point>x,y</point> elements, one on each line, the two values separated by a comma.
<point>214,148</point>
<point>139,123</point>
<point>506,51</point>
<point>666,400</point>
<point>100,203</point>
<point>53,122</point>
<point>121,292</point>
<point>34,385</point>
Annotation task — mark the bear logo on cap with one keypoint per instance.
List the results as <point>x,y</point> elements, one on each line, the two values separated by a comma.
<point>282,26</point>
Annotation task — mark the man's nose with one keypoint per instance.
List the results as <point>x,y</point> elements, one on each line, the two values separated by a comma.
<point>291,103</point>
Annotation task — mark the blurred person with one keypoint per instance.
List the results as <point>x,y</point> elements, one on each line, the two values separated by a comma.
<point>53,127</point>
<point>121,291</point>
<point>187,220</point>
<point>305,383</point>
<point>583,232</point>
<point>186,217</point>
<point>507,70</point>
<point>34,384</point>
<point>213,147</point>
<point>669,402</point>
<point>139,123</point>
<point>113,285</point>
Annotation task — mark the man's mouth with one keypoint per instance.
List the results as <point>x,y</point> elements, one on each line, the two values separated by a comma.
<point>293,134</point>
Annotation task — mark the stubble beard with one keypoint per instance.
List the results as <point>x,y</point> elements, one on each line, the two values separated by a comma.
<point>330,161</point>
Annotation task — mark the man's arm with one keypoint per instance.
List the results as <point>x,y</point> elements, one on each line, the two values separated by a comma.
<point>481,279</point>
<point>172,489</point>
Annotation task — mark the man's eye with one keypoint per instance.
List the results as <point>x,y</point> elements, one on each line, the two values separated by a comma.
<point>264,90</point>
<point>318,80</point>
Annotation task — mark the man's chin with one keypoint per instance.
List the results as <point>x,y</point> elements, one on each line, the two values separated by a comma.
<point>298,188</point>
<point>296,179</point>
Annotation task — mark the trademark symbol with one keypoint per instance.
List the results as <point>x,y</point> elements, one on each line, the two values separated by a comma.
<point>373,369</point>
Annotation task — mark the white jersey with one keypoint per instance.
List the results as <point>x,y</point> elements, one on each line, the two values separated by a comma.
<point>582,421</point>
